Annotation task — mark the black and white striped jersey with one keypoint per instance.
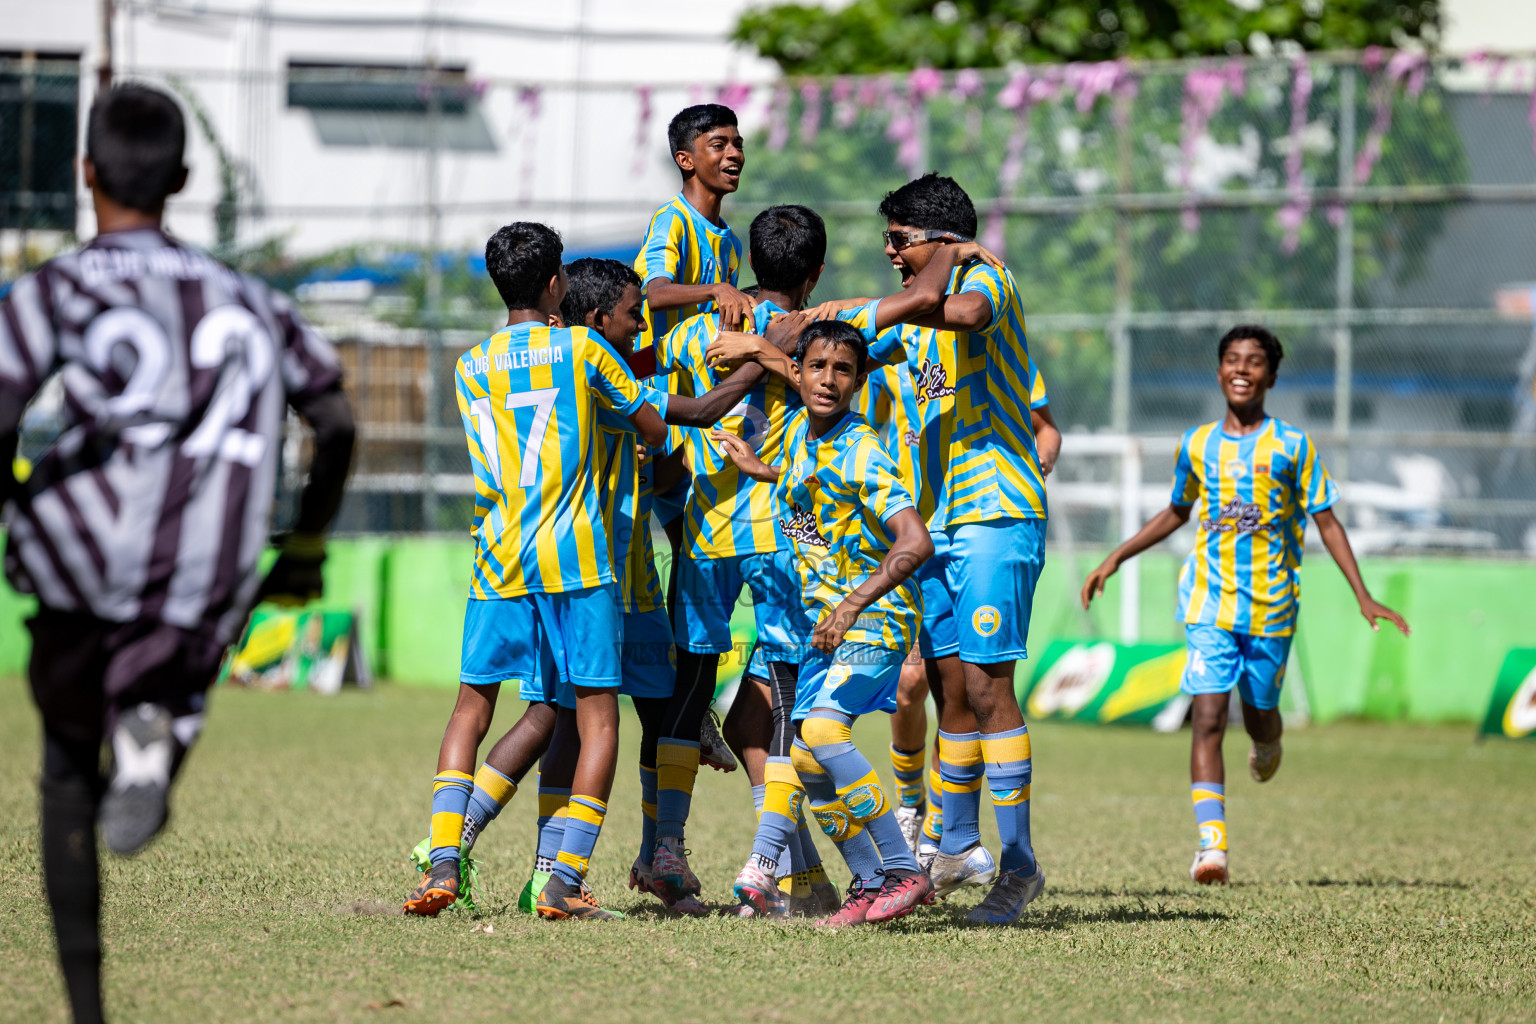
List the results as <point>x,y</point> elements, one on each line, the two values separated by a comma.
<point>154,500</point>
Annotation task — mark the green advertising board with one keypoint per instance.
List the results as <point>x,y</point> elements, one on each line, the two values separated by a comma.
<point>1103,682</point>
<point>291,649</point>
<point>1512,709</point>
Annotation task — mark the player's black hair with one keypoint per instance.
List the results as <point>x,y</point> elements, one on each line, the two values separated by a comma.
<point>788,245</point>
<point>836,334</point>
<point>596,284</point>
<point>932,202</point>
<point>691,122</point>
<point>1253,332</point>
<point>136,137</point>
<point>521,258</point>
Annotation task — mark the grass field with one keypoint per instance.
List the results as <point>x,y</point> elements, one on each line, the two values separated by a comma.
<point>1385,874</point>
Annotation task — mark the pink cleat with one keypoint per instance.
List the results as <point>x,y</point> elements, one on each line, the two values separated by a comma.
<point>901,894</point>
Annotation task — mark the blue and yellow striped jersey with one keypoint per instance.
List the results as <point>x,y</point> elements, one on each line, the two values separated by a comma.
<point>529,396</point>
<point>839,492</point>
<point>1252,496</point>
<point>888,403</point>
<point>728,512</point>
<point>684,247</point>
<point>977,455</point>
<point>626,505</point>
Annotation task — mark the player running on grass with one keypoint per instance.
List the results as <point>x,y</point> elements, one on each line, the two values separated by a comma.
<point>857,540</point>
<point>1256,479</point>
<point>604,296</point>
<point>140,528</point>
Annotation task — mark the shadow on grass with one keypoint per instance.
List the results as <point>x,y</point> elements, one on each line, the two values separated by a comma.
<point>1058,917</point>
<point>1386,883</point>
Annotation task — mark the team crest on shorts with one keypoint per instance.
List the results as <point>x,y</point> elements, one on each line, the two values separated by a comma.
<point>838,674</point>
<point>987,620</point>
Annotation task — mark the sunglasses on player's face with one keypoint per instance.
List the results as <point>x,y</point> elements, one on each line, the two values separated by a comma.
<point>899,240</point>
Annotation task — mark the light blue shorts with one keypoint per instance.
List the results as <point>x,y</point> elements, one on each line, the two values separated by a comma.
<point>856,680</point>
<point>978,589</point>
<point>707,592</point>
<point>537,640</point>
<point>757,666</point>
<point>1220,659</point>
<point>647,660</point>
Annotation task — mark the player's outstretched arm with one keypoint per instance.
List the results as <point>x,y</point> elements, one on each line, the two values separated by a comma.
<point>1047,437</point>
<point>832,307</point>
<point>707,409</point>
<point>774,349</point>
<point>926,302</point>
<point>746,460</point>
<point>912,546</point>
<point>295,577</point>
<point>649,425</point>
<point>732,349</point>
<point>1159,528</point>
<point>734,305</point>
<point>1337,543</point>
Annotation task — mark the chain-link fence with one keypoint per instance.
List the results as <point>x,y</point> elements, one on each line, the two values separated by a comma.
<point>1376,210</point>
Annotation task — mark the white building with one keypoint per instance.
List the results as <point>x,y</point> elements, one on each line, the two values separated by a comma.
<point>571,153</point>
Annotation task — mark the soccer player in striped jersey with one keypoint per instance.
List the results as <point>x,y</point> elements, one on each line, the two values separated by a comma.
<point>689,263</point>
<point>888,403</point>
<point>1255,479</point>
<point>604,296</point>
<point>690,260</point>
<point>542,606</point>
<point>857,540</point>
<point>729,539</point>
<point>140,527</point>
<point>984,501</point>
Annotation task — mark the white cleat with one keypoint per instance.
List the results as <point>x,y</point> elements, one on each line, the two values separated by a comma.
<point>927,850</point>
<point>1210,867</point>
<point>1264,760</point>
<point>951,871</point>
<point>910,821</point>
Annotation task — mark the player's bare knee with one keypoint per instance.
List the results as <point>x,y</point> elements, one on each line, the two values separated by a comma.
<point>1208,717</point>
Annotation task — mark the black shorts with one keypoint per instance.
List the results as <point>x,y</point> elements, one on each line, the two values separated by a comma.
<point>83,669</point>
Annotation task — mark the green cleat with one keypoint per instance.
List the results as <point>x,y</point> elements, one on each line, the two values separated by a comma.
<point>527,900</point>
<point>469,872</point>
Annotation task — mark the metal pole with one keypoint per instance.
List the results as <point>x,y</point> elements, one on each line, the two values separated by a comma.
<point>104,66</point>
<point>1344,280</point>
<point>27,153</point>
<point>1130,522</point>
<point>431,310</point>
<point>1120,331</point>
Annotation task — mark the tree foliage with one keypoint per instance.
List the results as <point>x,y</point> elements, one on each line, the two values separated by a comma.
<point>883,35</point>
